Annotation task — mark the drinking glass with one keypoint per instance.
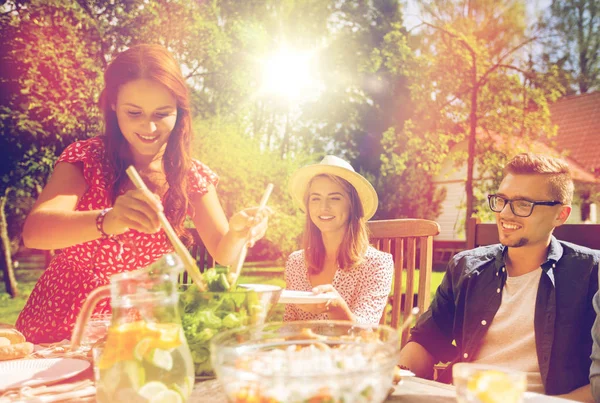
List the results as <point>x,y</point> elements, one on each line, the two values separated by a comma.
<point>479,383</point>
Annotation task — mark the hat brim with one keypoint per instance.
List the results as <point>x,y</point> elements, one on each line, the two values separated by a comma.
<point>302,177</point>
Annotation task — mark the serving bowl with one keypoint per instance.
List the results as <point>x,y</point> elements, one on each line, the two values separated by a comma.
<point>205,314</point>
<point>306,361</point>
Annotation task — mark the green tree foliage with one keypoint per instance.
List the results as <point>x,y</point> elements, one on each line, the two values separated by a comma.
<point>473,83</point>
<point>361,54</point>
<point>572,43</point>
<point>244,170</point>
<point>48,85</point>
<point>53,56</point>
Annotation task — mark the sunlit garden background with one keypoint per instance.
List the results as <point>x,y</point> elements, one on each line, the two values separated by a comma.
<point>392,87</point>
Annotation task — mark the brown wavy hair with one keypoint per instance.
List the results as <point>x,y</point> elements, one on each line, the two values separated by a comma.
<point>356,239</point>
<point>155,63</point>
<point>555,169</point>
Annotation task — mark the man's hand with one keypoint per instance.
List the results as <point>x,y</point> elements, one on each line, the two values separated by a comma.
<point>417,359</point>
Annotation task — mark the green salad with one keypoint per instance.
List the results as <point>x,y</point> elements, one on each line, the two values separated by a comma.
<point>222,307</point>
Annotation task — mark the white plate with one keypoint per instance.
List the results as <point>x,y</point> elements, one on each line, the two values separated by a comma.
<point>304,297</point>
<point>404,373</point>
<point>18,373</point>
<point>260,287</point>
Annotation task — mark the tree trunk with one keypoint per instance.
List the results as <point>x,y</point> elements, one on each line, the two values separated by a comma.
<point>285,144</point>
<point>472,140</point>
<point>6,260</point>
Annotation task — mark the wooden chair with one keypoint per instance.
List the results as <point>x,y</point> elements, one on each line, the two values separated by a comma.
<point>480,234</point>
<point>198,251</point>
<point>410,241</point>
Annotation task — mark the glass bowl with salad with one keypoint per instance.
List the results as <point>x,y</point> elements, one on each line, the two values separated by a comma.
<point>306,361</point>
<point>224,306</point>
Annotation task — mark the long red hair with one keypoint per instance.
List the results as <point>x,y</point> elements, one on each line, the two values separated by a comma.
<point>155,63</point>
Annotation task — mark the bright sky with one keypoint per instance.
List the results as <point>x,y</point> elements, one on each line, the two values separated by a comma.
<point>412,12</point>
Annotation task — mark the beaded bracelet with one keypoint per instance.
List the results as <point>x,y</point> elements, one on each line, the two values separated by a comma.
<point>100,223</point>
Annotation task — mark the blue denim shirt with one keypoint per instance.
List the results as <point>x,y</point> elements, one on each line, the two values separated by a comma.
<point>471,292</point>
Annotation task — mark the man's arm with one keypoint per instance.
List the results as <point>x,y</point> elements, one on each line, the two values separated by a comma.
<point>595,356</point>
<point>431,339</point>
<point>582,394</point>
<point>414,357</point>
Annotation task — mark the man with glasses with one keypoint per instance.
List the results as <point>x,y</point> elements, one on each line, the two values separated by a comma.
<point>525,303</point>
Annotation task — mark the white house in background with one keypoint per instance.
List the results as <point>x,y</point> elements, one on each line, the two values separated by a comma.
<point>453,178</point>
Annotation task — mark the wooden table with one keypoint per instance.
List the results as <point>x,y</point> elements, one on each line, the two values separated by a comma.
<point>410,390</point>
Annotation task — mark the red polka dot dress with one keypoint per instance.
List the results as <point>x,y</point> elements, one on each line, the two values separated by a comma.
<point>53,306</point>
<point>365,288</point>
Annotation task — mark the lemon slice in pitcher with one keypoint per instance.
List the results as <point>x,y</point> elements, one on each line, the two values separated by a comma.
<point>166,335</point>
<point>161,359</point>
<point>142,348</point>
<point>152,389</point>
<point>168,396</point>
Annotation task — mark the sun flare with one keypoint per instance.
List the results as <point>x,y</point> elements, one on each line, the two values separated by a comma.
<point>290,74</point>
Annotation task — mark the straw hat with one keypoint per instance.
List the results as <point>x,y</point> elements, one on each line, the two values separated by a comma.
<point>334,166</point>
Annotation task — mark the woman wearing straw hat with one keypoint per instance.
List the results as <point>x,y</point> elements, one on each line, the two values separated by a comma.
<point>337,257</point>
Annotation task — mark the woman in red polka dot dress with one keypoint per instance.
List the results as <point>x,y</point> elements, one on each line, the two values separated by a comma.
<point>100,223</point>
<point>337,257</point>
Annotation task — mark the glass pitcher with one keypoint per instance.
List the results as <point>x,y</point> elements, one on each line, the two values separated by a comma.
<point>145,356</point>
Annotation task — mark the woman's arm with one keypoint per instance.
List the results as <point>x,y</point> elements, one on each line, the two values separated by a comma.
<point>336,307</point>
<point>224,240</point>
<point>53,222</point>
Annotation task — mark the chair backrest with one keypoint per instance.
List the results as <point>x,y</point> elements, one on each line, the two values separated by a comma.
<point>480,234</point>
<point>200,254</point>
<point>410,241</point>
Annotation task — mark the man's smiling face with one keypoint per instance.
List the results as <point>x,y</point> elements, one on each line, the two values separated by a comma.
<point>515,231</point>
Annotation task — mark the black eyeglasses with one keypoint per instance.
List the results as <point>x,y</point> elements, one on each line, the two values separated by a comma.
<point>519,207</point>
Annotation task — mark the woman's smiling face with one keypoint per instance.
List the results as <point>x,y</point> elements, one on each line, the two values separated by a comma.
<point>328,205</point>
<point>147,113</point>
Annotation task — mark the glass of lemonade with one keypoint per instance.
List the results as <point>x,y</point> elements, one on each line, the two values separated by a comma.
<point>479,383</point>
<point>144,361</point>
<point>145,357</point>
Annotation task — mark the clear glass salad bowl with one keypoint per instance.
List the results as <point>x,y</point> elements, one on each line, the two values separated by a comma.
<point>306,361</point>
<point>205,314</point>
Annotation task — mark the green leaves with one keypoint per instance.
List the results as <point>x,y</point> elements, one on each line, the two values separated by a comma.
<point>466,53</point>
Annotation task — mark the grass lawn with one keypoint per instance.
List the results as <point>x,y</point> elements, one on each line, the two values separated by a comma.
<point>11,307</point>
<point>28,273</point>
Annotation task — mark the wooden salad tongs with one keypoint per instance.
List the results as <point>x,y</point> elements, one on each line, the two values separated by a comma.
<point>188,261</point>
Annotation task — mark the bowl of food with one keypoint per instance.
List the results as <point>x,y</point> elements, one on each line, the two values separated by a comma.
<point>205,314</point>
<point>306,361</point>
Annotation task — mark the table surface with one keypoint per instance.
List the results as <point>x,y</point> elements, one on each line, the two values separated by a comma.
<point>410,390</point>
